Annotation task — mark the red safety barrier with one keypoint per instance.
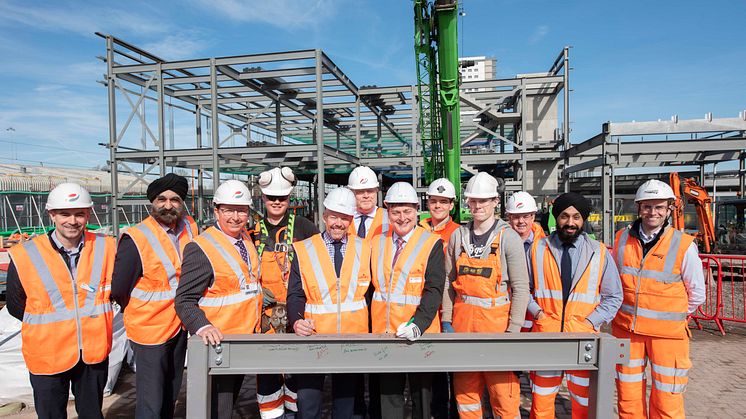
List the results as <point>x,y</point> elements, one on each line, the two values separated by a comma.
<point>725,281</point>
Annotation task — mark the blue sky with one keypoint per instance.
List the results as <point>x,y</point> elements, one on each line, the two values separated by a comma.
<point>632,60</point>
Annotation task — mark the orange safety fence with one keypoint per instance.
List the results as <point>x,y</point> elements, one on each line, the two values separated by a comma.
<point>725,287</point>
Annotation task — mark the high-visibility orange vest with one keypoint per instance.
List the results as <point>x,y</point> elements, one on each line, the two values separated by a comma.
<point>233,303</point>
<point>150,317</point>
<point>398,290</point>
<point>538,231</point>
<point>444,231</point>
<point>64,316</point>
<point>336,304</point>
<point>584,296</point>
<point>275,261</point>
<point>655,298</point>
<point>379,225</point>
<point>480,305</point>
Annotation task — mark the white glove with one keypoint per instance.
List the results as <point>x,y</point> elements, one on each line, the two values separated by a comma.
<point>408,331</point>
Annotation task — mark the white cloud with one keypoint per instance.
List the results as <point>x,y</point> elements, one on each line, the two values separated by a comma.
<point>539,33</point>
<point>285,14</point>
<point>177,47</point>
<point>79,19</point>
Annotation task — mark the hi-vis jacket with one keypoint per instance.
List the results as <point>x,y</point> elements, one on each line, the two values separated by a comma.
<point>655,298</point>
<point>482,301</point>
<point>150,317</point>
<point>335,303</point>
<point>584,293</point>
<point>379,225</point>
<point>444,231</point>
<point>398,291</point>
<point>65,318</point>
<point>233,302</point>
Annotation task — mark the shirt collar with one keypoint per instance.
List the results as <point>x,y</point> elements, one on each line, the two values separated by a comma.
<point>370,214</point>
<point>180,225</point>
<point>328,237</point>
<point>230,238</point>
<point>648,237</point>
<point>59,245</point>
<point>406,236</point>
<point>530,238</point>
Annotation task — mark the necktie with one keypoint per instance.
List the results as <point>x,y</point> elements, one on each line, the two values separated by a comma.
<point>566,271</point>
<point>399,247</point>
<point>361,228</point>
<point>337,256</point>
<point>242,250</point>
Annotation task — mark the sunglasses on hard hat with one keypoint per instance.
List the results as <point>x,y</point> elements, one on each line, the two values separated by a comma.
<point>273,198</point>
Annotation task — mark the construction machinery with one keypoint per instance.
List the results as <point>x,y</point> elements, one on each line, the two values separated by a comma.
<point>436,53</point>
<point>729,237</point>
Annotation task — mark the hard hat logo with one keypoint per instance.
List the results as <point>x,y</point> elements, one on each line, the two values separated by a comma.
<point>238,194</point>
<point>652,191</point>
<point>519,205</point>
<point>72,197</point>
<point>441,189</point>
<point>364,180</point>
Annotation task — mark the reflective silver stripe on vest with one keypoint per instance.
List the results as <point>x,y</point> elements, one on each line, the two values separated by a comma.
<point>548,294</point>
<point>621,246</point>
<point>95,279</point>
<point>358,243</point>
<point>672,247</point>
<point>540,249</point>
<point>226,300</point>
<point>397,299</point>
<point>160,252</point>
<point>318,272</point>
<point>385,222</point>
<point>235,267</point>
<point>670,388</point>
<point>590,296</point>
<point>633,363</point>
<point>484,302</point>
<point>404,274</point>
<point>346,307</point>
<point>664,277</point>
<point>381,279</point>
<point>53,291</point>
<point>64,314</point>
<point>188,228</point>
<point>652,314</point>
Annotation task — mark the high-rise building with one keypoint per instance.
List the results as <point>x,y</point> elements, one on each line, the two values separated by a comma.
<point>476,69</point>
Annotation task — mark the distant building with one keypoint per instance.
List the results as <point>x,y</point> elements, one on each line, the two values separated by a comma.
<point>477,69</point>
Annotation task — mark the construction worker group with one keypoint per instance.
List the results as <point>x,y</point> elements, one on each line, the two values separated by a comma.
<point>372,270</point>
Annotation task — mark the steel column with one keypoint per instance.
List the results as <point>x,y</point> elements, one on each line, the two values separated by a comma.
<point>320,167</point>
<point>215,114</point>
<point>111,91</point>
<point>566,115</point>
<point>161,122</point>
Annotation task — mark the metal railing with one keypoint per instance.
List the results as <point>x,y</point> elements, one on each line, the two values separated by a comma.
<point>265,354</point>
<point>725,290</point>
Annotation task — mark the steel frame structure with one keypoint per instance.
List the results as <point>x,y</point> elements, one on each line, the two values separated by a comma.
<point>261,354</point>
<point>673,143</point>
<point>299,109</point>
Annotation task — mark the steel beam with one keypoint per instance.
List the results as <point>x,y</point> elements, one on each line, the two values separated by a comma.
<point>286,353</point>
<point>677,126</point>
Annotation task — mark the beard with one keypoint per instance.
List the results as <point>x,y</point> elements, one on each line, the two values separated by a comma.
<point>166,216</point>
<point>566,236</point>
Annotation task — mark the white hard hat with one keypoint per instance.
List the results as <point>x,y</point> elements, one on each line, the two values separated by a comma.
<point>277,182</point>
<point>520,203</point>
<point>232,192</point>
<point>654,189</point>
<point>481,185</point>
<point>362,177</point>
<point>401,193</point>
<point>442,187</point>
<point>68,195</point>
<point>341,200</point>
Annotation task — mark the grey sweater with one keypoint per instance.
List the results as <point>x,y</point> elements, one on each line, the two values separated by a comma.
<point>514,271</point>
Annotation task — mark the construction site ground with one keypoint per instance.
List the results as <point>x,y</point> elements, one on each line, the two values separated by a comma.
<point>717,383</point>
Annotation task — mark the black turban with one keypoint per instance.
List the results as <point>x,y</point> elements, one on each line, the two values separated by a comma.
<point>571,199</point>
<point>170,182</point>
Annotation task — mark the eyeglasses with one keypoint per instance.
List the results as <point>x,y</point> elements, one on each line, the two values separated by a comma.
<point>272,198</point>
<point>232,212</point>
<point>651,208</point>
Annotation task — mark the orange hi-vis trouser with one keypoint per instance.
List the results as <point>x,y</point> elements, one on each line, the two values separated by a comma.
<point>503,387</point>
<point>669,366</point>
<point>546,384</point>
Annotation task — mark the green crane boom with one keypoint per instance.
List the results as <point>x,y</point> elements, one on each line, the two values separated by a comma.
<point>436,53</point>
